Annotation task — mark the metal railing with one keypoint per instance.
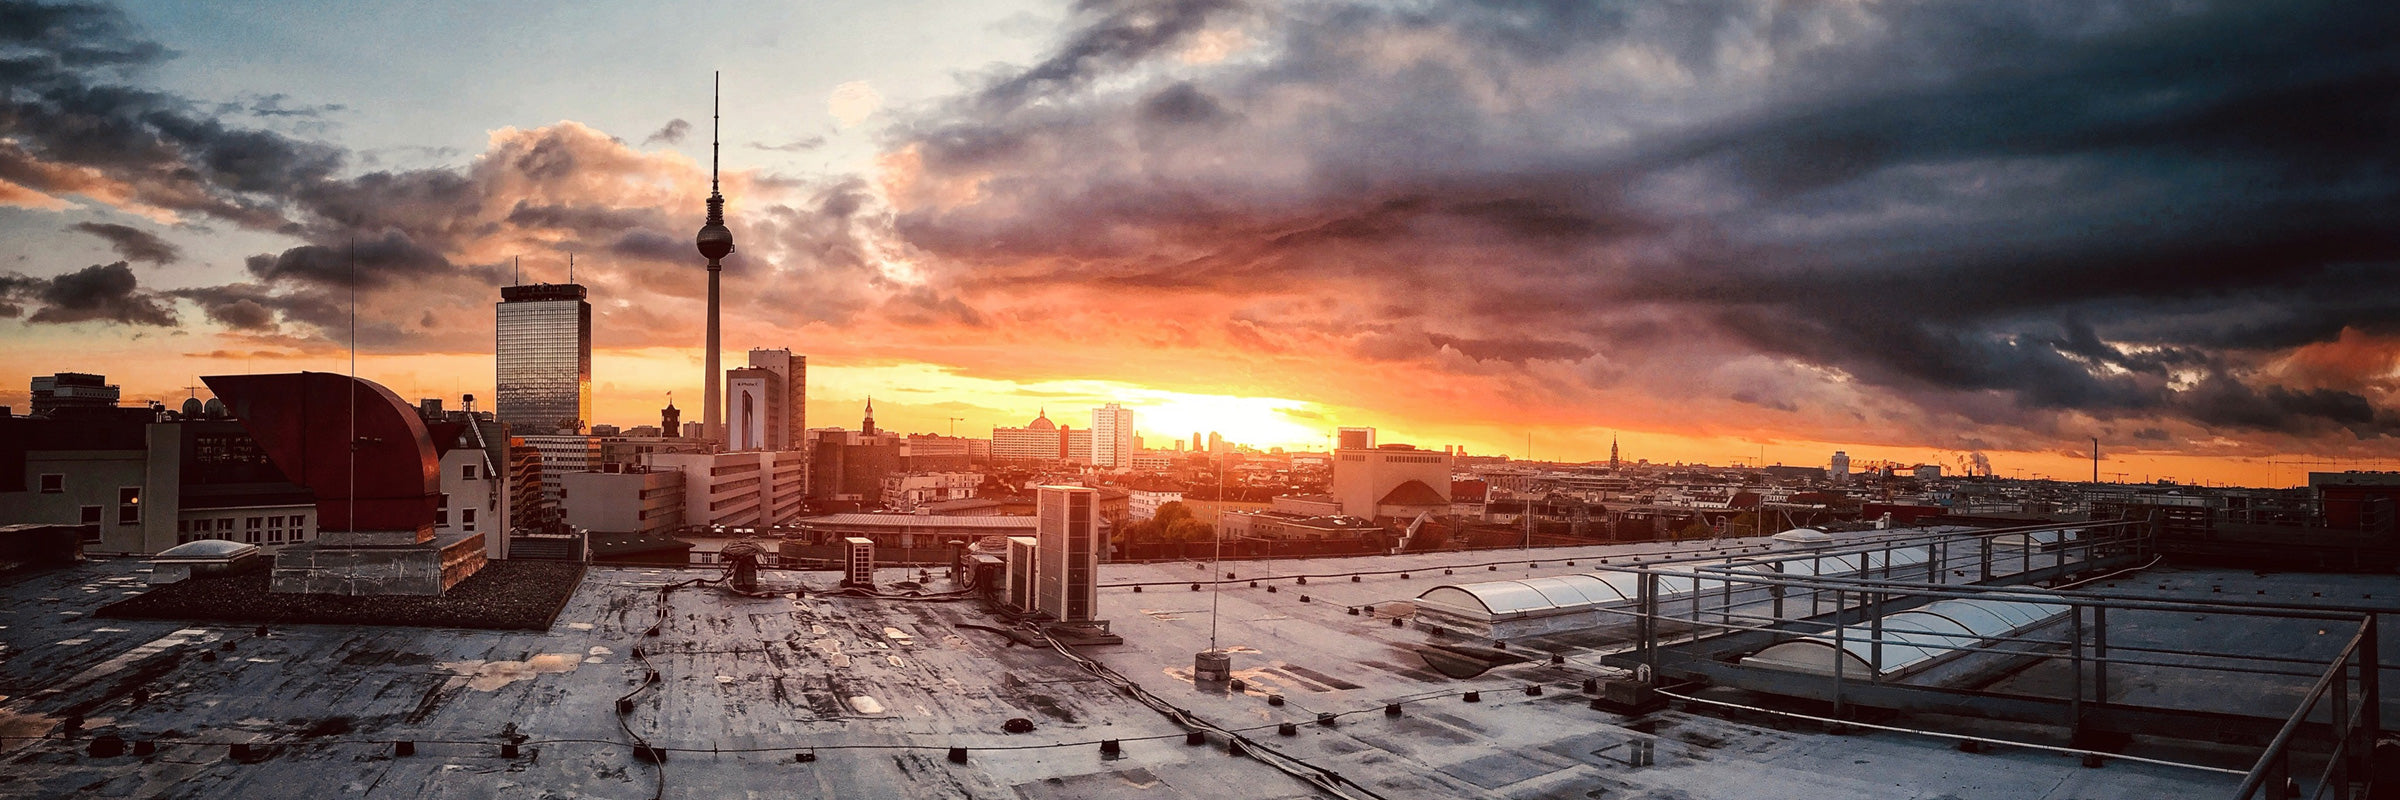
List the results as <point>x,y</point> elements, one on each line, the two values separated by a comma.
<point>1699,618</point>
<point>2356,721</point>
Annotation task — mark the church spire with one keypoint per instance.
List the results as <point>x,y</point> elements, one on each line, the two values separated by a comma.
<point>869,425</point>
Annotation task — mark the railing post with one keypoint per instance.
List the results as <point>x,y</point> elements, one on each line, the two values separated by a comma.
<point>2075,636</point>
<point>2345,739</point>
<point>1649,606</point>
<point>2370,692</point>
<point>1986,541</point>
<point>2100,654</point>
<point>1841,654</point>
<point>1875,643</point>
<point>1777,591</point>
<point>1696,595</point>
<point>2058,575</point>
<point>1816,572</point>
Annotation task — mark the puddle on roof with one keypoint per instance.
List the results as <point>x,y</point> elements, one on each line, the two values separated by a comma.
<point>488,676</point>
<point>18,730</point>
<point>831,650</point>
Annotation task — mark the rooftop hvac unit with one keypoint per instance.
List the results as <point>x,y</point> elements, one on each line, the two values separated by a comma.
<point>1068,528</point>
<point>1021,570</point>
<point>859,561</point>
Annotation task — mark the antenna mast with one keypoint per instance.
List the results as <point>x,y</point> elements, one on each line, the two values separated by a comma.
<point>716,104</point>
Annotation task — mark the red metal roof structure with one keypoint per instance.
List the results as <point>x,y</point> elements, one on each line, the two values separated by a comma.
<point>386,479</point>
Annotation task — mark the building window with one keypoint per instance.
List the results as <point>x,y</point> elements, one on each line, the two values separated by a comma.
<point>53,483</point>
<point>225,529</point>
<point>129,505</point>
<point>466,516</point>
<point>250,529</point>
<point>467,471</point>
<point>91,515</point>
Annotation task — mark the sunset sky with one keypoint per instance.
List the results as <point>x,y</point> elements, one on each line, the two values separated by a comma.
<point>1724,231</point>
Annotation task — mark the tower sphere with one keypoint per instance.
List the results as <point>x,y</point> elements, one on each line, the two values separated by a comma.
<point>715,241</point>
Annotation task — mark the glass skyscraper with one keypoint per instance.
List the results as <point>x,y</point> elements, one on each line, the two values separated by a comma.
<point>544,357</point>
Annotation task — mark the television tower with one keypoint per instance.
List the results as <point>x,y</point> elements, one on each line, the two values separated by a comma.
<point>714,242</point>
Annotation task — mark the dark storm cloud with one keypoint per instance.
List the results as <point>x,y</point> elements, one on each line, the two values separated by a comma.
<point>76,129</point>
<point>670,133</point>
<point>101,292</point>
<point>368,263</point>
<point>240,306</point>
<point>133,243</point>
<point>653,246</point>
<point>592,219</point>
<point>1113,34</point>
<point>2116,209</point>
<point>273,106</point>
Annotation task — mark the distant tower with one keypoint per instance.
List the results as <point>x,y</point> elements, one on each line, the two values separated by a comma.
<point>670,419</point>
<point>868,426</point>
<point>1841,466</point>
<point>1613,463</point>
<point>715,242</point>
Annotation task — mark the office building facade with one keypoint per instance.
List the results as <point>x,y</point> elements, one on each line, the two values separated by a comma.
<point>543,359</point>
<point>1112,436</point>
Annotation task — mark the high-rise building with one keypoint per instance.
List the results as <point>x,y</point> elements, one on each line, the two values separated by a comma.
<point>1841,466</point>
<point>1067,555</point>
<point>1112,436</point>
<point>792,427</point>
<point>542,347</point>
<point>71,390</point>
<point>754,401</point>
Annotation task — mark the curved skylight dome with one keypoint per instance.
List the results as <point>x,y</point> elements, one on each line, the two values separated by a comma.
<point>205,550</point>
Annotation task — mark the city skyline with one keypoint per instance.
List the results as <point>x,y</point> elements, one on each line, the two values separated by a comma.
<point>1732,238</point>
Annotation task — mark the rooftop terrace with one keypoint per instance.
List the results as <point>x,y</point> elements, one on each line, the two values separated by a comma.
<point>825,695</point>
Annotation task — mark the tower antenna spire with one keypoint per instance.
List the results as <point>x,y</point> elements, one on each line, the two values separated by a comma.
<point>716,106</point>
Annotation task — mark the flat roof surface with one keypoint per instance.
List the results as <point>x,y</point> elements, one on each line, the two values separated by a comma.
<point>881,688</point>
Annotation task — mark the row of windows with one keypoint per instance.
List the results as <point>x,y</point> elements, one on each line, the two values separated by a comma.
<point>255,530</point>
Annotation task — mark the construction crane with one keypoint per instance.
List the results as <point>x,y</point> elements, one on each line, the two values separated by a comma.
<point>954,421</point>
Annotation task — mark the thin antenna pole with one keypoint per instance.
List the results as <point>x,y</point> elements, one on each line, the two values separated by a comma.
<point>1216,565</point>
<point>716,104</point>
<point>350,506</point>
<point>570,267</point>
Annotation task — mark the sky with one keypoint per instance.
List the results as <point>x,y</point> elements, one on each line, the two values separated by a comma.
<point>1730,231</point>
